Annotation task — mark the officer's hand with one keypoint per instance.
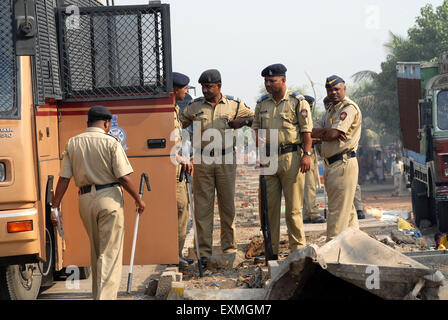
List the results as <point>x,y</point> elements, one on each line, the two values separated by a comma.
<point>237,123</point>
<point>342,137</point>
<point>54,222</point>
<point>305,163</point>
<point>190,168</point>
<point>141,205</point>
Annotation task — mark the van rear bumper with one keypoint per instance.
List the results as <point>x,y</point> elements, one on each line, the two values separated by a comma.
<point>19,243</point>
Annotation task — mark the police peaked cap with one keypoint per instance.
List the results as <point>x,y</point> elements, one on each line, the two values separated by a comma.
<point>309,99</point>
<point>210,76</point>
<point>97,113</point>
<point>332,81</point>
<point>274,70</point>
<point>180,79</point>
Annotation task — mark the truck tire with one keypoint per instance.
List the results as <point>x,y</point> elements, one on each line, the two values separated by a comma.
<point>20,282</point>
<point>420,202</point>
<point>442,215</point>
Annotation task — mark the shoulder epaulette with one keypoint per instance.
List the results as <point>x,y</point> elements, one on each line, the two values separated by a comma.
<point>347,103</point>
<point>297,95</point>
<point>195,100</point>
<point>108,134</point>
<point>264,97</point>
<point>233,98</point>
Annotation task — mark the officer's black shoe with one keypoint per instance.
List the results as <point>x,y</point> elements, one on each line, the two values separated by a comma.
<point>185,262</point>
<point>203,262</point>
<point>319,220</point>
<point>360,214</point>
<point>189,260</point>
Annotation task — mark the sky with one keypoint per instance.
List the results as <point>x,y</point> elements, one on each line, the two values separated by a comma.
<point>321,38</point>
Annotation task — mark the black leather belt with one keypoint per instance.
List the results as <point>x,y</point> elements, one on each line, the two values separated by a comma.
<point>284,149</point>
<point>87,189</point>
<point>340,156</point>
<point>223,151</point>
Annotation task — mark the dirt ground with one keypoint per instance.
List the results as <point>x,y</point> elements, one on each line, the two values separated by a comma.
<point>249,274</point>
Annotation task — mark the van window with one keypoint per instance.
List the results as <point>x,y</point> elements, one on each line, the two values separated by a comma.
<point>442,110</point>
<point>8,106</point>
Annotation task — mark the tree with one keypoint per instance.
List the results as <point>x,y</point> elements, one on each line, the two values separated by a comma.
<point>376,93</point>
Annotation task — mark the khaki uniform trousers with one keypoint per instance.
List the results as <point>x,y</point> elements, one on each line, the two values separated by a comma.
<point>341,178</point>
<point>289,180</point>
<point>207,178</point>
<point>103,217</point>
<point>182,213</point>
<point>310,207</point>
<point>358,199</point>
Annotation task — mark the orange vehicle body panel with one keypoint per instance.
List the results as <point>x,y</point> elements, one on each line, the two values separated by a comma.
<point>157,237</point>
<point>19,193</point>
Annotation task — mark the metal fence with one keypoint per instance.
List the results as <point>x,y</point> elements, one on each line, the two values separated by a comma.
<point>115,52</point>
<point>8,103</point>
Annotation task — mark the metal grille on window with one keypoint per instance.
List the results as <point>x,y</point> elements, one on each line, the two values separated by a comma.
<point>8,105</point>
<point>116,53</point>
<point>47,59</point>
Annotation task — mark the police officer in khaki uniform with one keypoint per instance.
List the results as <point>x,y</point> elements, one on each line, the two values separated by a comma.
<point>99,165</point>
<point>310,207</point>
<point>340,130</point>
<point>220,112</point>
<point>180,87</point>
<point>289,113</point>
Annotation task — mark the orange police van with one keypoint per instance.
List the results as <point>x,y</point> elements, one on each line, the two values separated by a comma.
<point>57,59</point>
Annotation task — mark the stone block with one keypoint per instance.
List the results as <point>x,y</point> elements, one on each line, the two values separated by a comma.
<point>164,286</point>
<point>274,268</point>
<point>225,260</point>
<point>152,287</point>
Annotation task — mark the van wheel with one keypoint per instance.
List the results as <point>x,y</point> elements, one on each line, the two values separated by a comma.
<point>20,282</point>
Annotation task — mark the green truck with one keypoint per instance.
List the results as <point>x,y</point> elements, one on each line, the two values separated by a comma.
<point>423,106</point>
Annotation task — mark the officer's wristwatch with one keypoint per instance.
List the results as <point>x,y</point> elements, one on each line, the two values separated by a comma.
<point>307,153</point>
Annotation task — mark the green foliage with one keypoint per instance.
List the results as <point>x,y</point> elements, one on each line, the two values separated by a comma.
<point>376,93</point>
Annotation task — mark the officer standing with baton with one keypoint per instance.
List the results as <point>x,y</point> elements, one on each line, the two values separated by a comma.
<point>100,166</point>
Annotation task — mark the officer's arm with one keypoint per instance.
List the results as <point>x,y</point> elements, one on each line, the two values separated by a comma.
<point>328,134</point>
<point>129,186</point>
<point>332,134</point>
<point>186,117</point>
<point>61,188</point>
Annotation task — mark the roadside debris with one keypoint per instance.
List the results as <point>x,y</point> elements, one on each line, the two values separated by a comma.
<point>355,266</point>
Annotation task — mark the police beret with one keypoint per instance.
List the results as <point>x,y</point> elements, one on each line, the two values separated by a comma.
<point>210,76</point>
<point>309,99</point>
<point>274,70</point>
<point>180,80</point>
<point>97,113</point>
<point>326,100</point>
<point>332,81</point>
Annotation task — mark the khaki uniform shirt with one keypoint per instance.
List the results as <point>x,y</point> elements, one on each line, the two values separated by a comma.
<point>346,117</point>
<point>282,116</point>
<point>217,117</point>
<point>94,157</point>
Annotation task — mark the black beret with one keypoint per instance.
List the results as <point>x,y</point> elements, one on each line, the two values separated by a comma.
<point>332,81</point>
<point>274,70</point>
<point>180,79</point>
<point>97,113</point>
<point>210,76</point>
<point>309,99</point>
<point>326,100</point>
